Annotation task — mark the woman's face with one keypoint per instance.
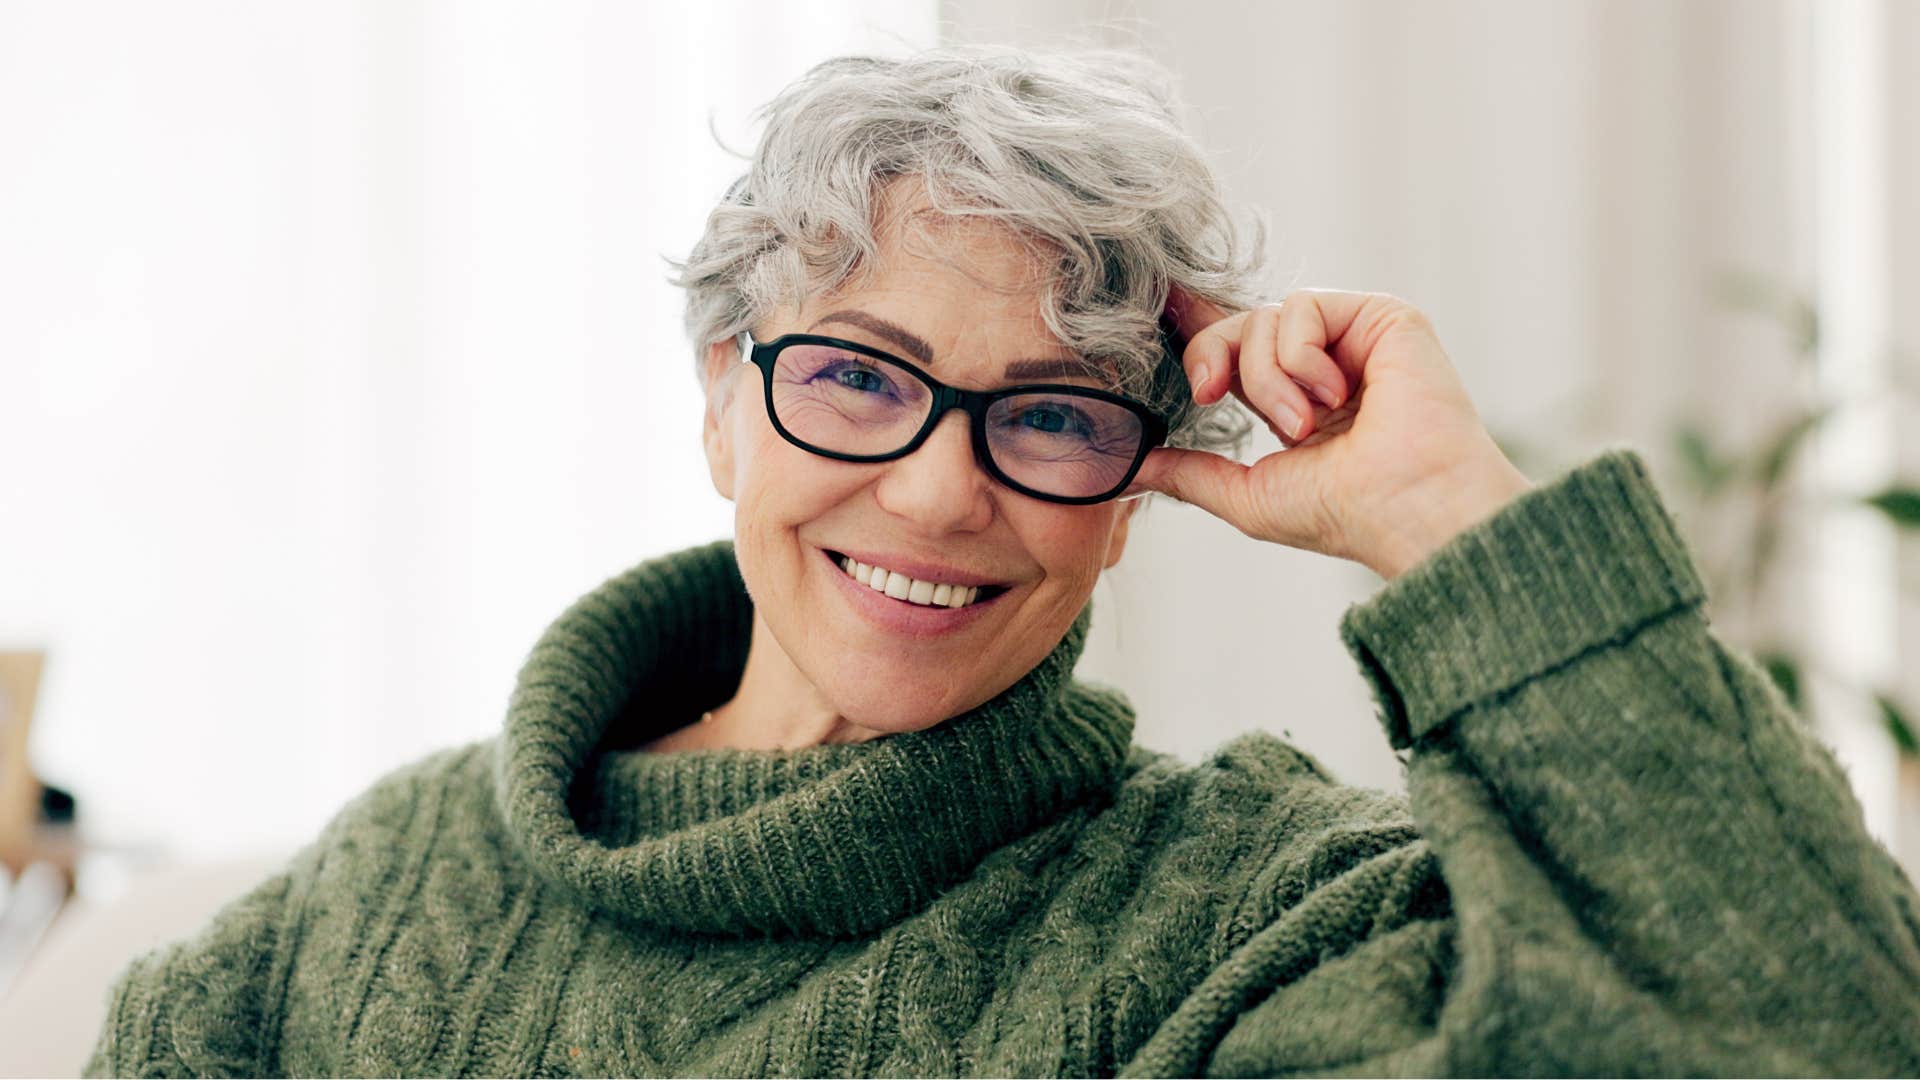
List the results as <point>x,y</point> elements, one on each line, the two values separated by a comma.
<point>884,664</point>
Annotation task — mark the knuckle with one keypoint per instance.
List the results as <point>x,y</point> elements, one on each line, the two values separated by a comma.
<point>1171,484</point>
<point>1414,319</point>
<point>1393,311</point>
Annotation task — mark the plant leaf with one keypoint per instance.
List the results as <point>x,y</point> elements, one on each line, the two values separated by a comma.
<point>1706,470</point>
<point>1797,314</point>
<point>1897,725</point>
<point>1803,321</point>
<point>1901,504</point>
<point>1779,453</point>
<point>1784,670</point>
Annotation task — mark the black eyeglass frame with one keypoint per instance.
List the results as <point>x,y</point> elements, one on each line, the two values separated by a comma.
<point>975,403</point>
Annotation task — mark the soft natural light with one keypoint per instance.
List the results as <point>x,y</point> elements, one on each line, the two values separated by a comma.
<point>348,361</point>
<point>1855,611</point>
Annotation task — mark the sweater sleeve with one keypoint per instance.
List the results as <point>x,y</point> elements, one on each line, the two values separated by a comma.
<point>206,1005</point>
<point>1650,865</point>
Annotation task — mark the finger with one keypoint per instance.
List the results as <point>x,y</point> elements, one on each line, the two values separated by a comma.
<point>1240,392</point>
<point>1189,314</point>
<point>1302,334</point>
<point>1326,422</point>
<point>1344,327</point>
<point>1210,341</point>
<point>1332,422</point>
<point>1211,356</point>
<point>1273,394</point>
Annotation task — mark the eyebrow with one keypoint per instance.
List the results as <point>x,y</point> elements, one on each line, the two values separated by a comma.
<point>913,346</point>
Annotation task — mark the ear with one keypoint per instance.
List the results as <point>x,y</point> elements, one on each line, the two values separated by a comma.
<point>1117,540</point>
<point>716,432</point>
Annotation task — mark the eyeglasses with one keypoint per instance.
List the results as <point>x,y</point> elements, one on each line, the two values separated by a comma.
<point>852,402</point>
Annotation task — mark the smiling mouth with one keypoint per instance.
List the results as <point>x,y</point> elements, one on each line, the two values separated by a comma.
<point>916,593</point>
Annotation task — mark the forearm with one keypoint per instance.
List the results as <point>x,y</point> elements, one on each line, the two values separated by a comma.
<point>1596,771</point>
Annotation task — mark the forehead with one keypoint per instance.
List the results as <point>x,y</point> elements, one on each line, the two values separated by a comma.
<point>910,344</point>
<point>943,283</point>
<point>911,232</point>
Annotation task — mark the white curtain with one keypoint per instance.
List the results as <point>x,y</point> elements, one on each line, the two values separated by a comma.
<point>336,358</point>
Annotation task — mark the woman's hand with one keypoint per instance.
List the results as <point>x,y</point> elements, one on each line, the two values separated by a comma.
<point>1384,483</point>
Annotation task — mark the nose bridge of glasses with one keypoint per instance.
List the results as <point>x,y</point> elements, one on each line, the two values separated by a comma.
<point>949,408</point>
<point>939,471</point>
<point>945,409</point>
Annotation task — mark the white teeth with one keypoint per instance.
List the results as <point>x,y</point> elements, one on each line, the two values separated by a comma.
<point>901,587</point>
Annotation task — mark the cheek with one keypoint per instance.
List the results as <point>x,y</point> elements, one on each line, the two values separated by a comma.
<point>767,468</point>
<point>780,487</point>
<point>1071,546</point>
<point>762,500</point>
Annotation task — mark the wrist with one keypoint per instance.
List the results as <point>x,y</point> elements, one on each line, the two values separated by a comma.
<point>1421,521</point>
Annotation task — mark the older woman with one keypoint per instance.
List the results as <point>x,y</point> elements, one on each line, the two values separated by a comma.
<point>826,800</point>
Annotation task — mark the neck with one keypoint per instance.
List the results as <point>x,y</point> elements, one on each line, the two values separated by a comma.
<point>776,708</point>
<point>823,840</point>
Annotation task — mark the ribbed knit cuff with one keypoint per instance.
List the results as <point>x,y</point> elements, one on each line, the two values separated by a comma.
<point>1565,567</point>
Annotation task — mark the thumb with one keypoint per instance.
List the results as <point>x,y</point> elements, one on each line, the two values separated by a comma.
<point>1216,484</point>
<point>1246,498</point>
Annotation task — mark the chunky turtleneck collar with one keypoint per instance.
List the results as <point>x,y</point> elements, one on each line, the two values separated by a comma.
<point>837,839</point>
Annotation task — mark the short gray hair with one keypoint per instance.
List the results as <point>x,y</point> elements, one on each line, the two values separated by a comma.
<point>1078,150</point>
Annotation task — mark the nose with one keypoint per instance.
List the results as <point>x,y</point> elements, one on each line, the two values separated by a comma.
<point>940,486</point>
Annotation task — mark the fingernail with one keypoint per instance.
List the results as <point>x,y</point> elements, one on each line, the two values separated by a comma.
<point>1326,396</point>
<point>1289,420</point>
<point>1200,377</point>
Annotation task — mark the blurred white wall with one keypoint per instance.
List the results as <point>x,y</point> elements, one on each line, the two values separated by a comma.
<point>336,358</point>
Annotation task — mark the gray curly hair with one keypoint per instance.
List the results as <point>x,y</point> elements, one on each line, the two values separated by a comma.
<point>1079,152</point>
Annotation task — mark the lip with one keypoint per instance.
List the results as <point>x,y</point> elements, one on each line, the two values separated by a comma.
<point>899,617</point>
<point>918,568</point>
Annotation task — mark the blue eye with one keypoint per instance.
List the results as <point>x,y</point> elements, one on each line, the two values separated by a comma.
<point>1054,420</point>
<point>859,378</point>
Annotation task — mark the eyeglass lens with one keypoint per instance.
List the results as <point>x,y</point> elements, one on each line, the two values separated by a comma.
<point>849,403</point>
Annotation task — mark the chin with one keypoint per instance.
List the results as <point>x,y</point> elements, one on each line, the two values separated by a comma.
<point>893,713</point>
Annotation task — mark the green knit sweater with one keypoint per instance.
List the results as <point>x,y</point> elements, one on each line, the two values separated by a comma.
<point>1619,854</point>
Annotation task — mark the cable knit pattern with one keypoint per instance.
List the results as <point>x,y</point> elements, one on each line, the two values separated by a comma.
<point>1620,853</point>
